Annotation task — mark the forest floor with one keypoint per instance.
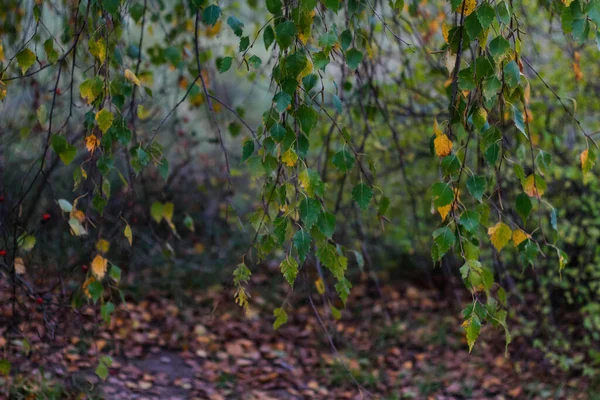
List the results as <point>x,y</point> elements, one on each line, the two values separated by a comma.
<point>401,343</point>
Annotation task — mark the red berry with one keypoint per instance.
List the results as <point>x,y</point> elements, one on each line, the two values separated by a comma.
<point>58,91</point>
<point>39,300</point>
<point>84,268</point>
<point>46,217</point>
<point>2,253</point>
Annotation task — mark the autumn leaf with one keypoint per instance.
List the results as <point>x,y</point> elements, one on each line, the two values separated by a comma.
<point>19,266</point>
<point>103,246</point>
<point>104,119</point>
<point>289,158</point>
<point>99,266</point>
<point>444,210</point>
<point>519,236</point>
<point>468,6</point>
<point>500,234</point>
<point>445,32</point>
<point>128,234</point>
<point>534,186</point>
<point>91,143</point>
<point>442,145</point>
<point>131,77</point>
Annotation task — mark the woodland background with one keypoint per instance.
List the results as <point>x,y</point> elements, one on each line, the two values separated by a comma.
<point>174,330</point>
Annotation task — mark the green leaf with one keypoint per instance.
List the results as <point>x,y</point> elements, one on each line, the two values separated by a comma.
<point>470,221</point>
<point>96,290</point>
<point>115,273</point>
<point>289,269</point>
<point>106,310</point>
<point>282,100</point>
<point>441,194</point>
<point>5,367</point>
<point>512,74</point>
<point>473,329</point>
<point>112,6</point>
<point>236,25</point>
<point>486,15</point>
<point>285,32</point>
<point>223,64</point>
<point>281,318</point>
<point>326,224</point>
<point>476,186</point>
<point>65,151</point>
<point>362,194</point>
<point>353,58</point>
<point>343,289</point>
<point>247,149</point>
<point>345,39</point>
<point>309,212</point>
<point>268,37</point>
<point>384,204</point>
<point>51,53</point>
<point>211,14</point>
<point>274,6</point>
<point>307,117</point>
<point>343,161</point>
<point>301,242</point>
<point>443,240</point>
<point>25,59</point>
<point>499,47</point>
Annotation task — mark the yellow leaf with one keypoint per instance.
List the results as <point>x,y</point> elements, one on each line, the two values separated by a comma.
<point>567,3</point>
<point>98,49</point>
<point>128,234</point>
<point>443,145</point>
<point>99,265</point>
<point>469,7</point>
<point>500,234</point>
<point>130,76</point>
<point>583,157</point>
<point>436,128</point>
<point>320,286</point>
<point>289,158</point>
<point>213,30</point>
<point>2,59</point>
<point>85,285</point>
<point>530,188</point>
<point>519,236</point>
<point>445,32</point>
<point>19,266</point>
<point>103,246</point>
<point>91,143</point>
<point>143,113</point>
<point>444,210</point>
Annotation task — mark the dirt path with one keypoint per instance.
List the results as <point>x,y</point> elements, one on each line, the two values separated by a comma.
<point>205,348</point>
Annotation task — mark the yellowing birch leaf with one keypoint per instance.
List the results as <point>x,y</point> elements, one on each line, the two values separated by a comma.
<point>130,76</point>
<point>99,266</point>
<point>469,7</point>
<point>442,145</point>
<point>289,158</point>
<point>500,234</point>
<point>19,266</point>
<point>519,236</point>
<point>103,246</point>
<point>128,234</point>
<point>104,119</point>
<point>533,188</point>
<point>445,32</point>
<point>444,210</point>
<point>91,143</point>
